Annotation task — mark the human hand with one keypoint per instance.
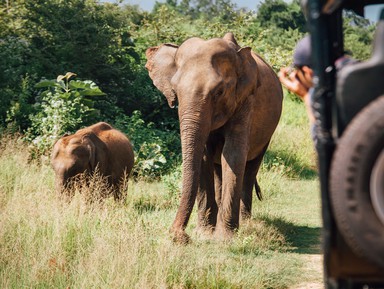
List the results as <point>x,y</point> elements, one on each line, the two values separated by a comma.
<point>298,81</point>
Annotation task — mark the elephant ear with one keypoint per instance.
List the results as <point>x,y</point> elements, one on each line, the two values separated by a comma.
<point>230,38</point>
<point>162,67</point>
<point>248,76</point>
<point>97,151</point>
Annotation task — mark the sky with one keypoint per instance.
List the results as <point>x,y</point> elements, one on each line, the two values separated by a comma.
<point>371,12</point>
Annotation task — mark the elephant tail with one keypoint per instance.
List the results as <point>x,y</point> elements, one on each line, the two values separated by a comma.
<point>258,191</point>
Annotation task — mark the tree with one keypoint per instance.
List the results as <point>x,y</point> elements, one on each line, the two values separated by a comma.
<point>280,14</point>
<point>358,35</point>
<point>206,9</point>
<point>90,39</point>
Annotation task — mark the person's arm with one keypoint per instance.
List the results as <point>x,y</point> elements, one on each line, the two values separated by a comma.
<point>299,82</point>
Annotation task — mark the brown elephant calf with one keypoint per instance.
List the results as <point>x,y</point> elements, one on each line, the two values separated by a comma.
<point>98,146</point>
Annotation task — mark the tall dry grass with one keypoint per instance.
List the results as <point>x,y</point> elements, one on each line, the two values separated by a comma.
<point>48,242</point>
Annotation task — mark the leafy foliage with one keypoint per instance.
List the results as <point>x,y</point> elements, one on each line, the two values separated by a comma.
<point>15,79</point>
<point>280,14</point>
<point>106,43</point>
<point>62,106</point>
<point>358,35</point>
<point>156,151</point>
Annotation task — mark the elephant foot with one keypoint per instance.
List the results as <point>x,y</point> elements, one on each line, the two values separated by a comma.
<point>180,237</point>
<point>245,214</point>
<point>205,231</point>
<point>223,234</point>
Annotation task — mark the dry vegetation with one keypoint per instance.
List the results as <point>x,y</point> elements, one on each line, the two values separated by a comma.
<point>48,242</point>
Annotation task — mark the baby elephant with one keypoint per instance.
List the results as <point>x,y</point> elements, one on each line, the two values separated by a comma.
<point>99,145</point>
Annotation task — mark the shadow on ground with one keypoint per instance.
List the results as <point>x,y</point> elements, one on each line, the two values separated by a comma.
<point>301,239</point>
<point>289,165</point>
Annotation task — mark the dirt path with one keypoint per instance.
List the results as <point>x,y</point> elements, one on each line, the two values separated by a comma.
<point>313,272</point>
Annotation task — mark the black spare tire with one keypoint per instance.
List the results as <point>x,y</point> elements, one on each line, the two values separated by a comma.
<point>357,183</point>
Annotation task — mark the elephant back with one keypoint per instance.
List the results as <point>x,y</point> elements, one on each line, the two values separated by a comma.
<point>120,156</point>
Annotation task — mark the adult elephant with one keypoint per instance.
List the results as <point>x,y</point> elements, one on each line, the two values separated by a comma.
<point>98,146</point>
<point>229,103</point>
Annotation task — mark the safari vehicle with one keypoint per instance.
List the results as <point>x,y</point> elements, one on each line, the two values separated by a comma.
<point>349,111</point>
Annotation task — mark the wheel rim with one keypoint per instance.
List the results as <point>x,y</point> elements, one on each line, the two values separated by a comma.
<point>377,187</point>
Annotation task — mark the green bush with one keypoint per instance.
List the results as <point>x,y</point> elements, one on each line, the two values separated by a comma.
<point>16,78</point>
<point>157,151</point>
<point>20,107</point>
<point>63,105</point>
<point>106,42</point>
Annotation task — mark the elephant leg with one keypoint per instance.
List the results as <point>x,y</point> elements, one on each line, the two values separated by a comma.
<point>233,165</point>
<point>218,183</point>
<point>233,162</point>
<point>207,207</point>
<point>117,194</point>
<point>246,196</point>
<point>117,186</point>
<point>229,210</point>
<point>250,181</point>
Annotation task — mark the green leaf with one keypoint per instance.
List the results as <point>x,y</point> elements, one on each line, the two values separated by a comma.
<point>93,112</point>
<point>65,96</point>
<point>92,92</point>
<point>77,84</point>
<point>61,84</point>
<point>47,83</point>
<point>87,102</point>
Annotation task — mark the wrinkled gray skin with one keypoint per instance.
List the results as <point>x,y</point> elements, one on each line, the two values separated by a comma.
<point>99,146</point>
<point>229,103</point>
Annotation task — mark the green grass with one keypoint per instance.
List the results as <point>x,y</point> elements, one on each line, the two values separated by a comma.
<point>46,242</point>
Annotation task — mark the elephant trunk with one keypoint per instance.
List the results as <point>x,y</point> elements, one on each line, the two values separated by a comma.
<point>60,184</point>
<point>62,179</point>
<point>194,134</point>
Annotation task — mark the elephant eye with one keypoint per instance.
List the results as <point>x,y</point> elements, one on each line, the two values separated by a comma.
<point>218,92</point>
<point>80,151</point>
<point>219,88</point>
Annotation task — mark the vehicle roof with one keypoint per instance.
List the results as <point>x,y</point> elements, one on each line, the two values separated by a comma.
<point>356,5</point>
